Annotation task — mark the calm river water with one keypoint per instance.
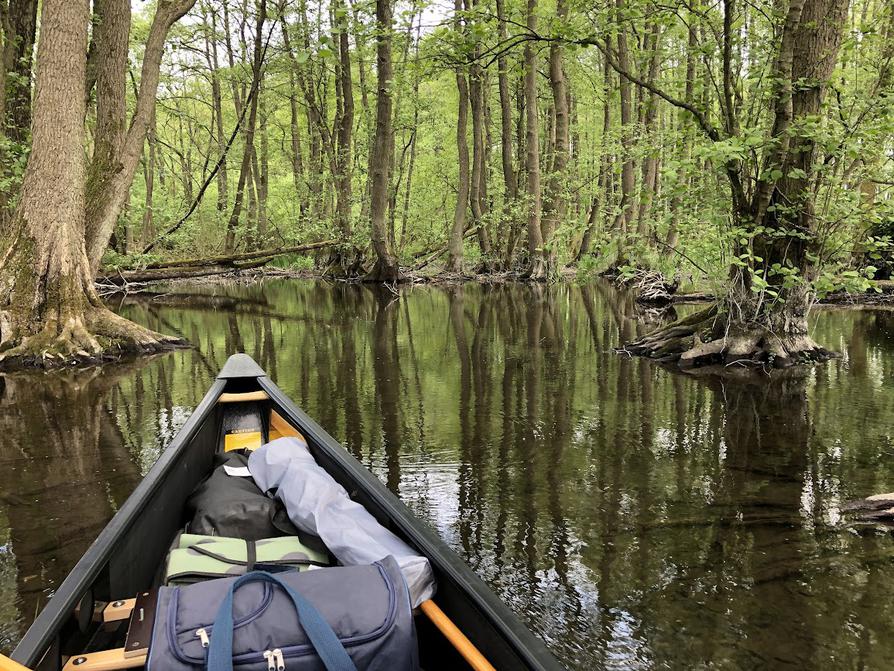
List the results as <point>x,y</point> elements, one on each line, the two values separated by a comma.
<point>635,518</point>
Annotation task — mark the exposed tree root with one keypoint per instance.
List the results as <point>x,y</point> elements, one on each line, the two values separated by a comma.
<point>707,338</point>
<point>344,263</point>
<point>538,270</point>
<point>97,336</point>
<point>385,273</point>
<point>878,509</point>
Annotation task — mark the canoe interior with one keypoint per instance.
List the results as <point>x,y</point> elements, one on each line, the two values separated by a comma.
<point>127,555</point>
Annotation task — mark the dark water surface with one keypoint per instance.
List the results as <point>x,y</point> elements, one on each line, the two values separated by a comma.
<point>634,518</point>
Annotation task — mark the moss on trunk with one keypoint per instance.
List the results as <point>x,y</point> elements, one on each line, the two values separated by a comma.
<point>50,313</point>
<point>51,316</point>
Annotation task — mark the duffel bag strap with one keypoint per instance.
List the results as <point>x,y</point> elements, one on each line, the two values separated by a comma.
<point>251,553</point>
<point>325,642</point>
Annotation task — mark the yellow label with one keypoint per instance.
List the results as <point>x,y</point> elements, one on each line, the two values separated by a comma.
<point>240,441</point>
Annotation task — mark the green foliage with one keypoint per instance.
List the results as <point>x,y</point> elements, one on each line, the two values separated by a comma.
<point>833,280</point>
<point>293,262</point>
<point>114,260</point>
<point>686,229</point>
<point>14,157</point>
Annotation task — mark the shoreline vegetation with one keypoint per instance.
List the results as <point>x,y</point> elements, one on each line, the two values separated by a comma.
<point>742,152</point>
<point>880,297</point>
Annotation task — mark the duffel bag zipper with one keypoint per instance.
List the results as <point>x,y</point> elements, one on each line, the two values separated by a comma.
<point>307,648</point>
<point>275,661</point>
<point>204,633</point>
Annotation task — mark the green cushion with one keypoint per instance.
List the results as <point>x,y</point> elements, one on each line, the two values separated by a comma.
<point>199,558</point>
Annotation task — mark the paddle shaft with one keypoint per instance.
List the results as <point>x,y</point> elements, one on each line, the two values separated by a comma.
<point>7,664</point>
<point>457,639</point>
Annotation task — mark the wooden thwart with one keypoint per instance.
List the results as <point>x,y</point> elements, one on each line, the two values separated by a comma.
<point>244,397</point>
<point>104,660</point>
<point>139,632</point>
<point>141,612</point>
<point>118,610</point>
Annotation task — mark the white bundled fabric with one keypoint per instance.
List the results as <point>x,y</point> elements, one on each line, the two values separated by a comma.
<point>317,504</point>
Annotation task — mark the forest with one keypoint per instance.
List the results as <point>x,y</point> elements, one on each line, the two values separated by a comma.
<point>738,148</point>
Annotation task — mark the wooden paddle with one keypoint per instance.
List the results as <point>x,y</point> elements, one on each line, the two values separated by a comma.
<point>457,639</point>
<point>7,664</point>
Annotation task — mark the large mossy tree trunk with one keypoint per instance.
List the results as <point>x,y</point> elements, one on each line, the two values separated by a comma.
<point>762,320</point>
<point>49,310</point>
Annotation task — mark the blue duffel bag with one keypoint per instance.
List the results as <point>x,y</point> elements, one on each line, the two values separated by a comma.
<point>328,619</point>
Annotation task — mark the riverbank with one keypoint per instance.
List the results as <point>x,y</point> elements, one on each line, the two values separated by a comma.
<point>883,298</point>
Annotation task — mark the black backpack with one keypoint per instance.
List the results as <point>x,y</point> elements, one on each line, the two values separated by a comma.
<point>233,506</point>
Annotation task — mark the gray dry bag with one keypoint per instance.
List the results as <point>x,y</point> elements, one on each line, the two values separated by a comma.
<point>324,619</point>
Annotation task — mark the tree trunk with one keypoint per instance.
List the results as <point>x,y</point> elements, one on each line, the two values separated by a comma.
<point>556,202</point>
<point>510,182</point>
<point>184,154</point>
<point>15,95</point>
<point>478,187</point>
<point>478,191</point>
<point>50,312</point>
<point>315,121</point>
<point>386,267</point>
<point>455,243</point>
<point>766,324</point>
<point>148,228</point>
<point>603,182</point>
<point>362,73</point>
<point>592,218</point>
<point>249,130</point>
<point>673,235</point>
<point>394,184</point>
<point>262,176</point>
<point>414,132</point>
<point>117,154</point>
<point>628,168</point>
<point>536,262</point>
<point>515,228</point>
<point>650,117</point>
<point>346,258</point>
<point>217,107</point>
<point>294,131</point>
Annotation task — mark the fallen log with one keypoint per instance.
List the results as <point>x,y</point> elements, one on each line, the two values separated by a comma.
<point>876,508</point>
<point>432,253</point>
<point>123,277</point>
<point>212,265</point>
<point>697,297</point>
<point>233,259</point>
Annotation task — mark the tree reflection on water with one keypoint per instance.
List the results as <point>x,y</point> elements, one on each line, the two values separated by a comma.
<point>634,517</point>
